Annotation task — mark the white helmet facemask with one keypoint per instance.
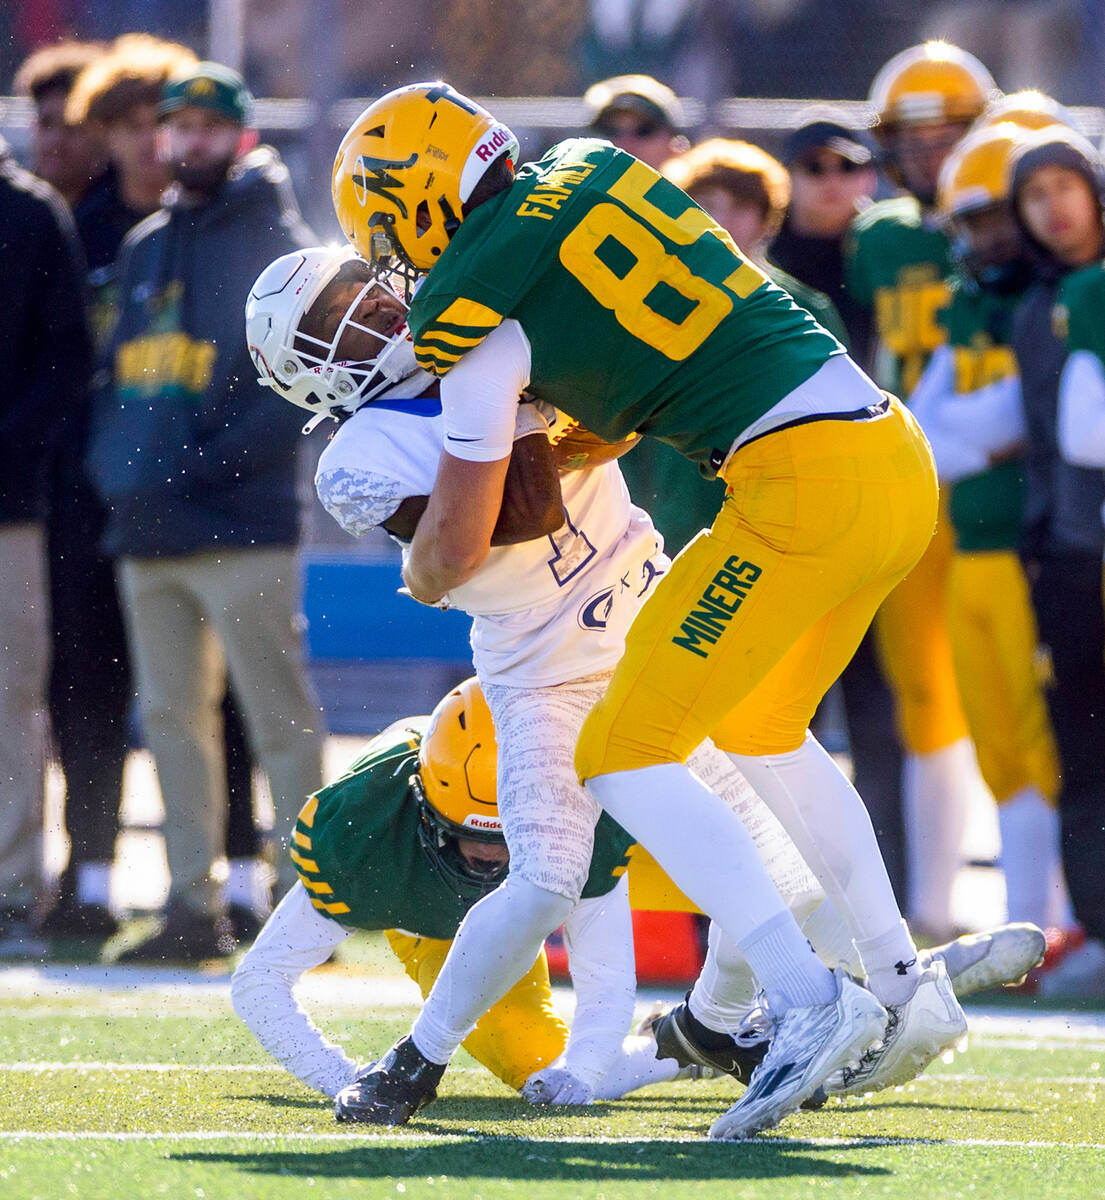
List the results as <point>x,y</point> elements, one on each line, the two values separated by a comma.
<point>309,370</point>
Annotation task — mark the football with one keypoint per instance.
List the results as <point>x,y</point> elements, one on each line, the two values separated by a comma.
<point>577,448</point>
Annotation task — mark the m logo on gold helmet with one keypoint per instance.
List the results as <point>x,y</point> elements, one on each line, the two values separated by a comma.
<point>407,166</point>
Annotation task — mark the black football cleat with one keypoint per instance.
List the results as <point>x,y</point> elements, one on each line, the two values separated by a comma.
<point>677,1037</point>
<point>392,1089</point>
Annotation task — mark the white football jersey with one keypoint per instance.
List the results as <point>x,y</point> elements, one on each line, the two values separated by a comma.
<point>545,611</point>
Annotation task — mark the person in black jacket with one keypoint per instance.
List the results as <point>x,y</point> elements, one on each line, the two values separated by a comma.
<point>1056,188</point>
<point>197,471</point>
<point>832,174</point>
<point>45,351</point>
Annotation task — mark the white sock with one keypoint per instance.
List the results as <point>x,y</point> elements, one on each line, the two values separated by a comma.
<point>829,824</point>
<point>94,883</point>
<point>1029,851</point>
<point>935,791</point>
<point>891,963</point>
<point>779,956</point>
<point>829,936</point>
<point>496,944</point>
<point>706,851</point>
<point>635,1066</point>
<point>249,883</point>
<point>725,988</point>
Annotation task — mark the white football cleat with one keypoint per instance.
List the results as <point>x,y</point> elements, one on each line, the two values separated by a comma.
<point>809,1045</point>
<point>999,957</point>
<point>927,1024</point>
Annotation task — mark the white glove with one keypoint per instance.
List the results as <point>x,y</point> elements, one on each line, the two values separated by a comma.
<point>555,1085</point>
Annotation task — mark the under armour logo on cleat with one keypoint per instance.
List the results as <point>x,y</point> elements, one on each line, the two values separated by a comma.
<point>903,967</point>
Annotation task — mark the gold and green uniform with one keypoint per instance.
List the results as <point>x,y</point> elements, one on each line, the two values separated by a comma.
<point>686,341</point>
<point>665,484</point>
<point>993,627</point>
<point>640,314</point>
<point>357,850</point>
<point>897,263</point>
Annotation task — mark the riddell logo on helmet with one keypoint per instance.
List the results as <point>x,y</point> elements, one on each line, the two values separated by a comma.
<point>491,823</point>
<point>499,137</point>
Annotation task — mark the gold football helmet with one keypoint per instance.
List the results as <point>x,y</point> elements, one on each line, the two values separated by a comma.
<point>406,167</point>
<point>1029,109</point>
<point>930,84</point>
<point>975,174</point>
<point>455,786</point>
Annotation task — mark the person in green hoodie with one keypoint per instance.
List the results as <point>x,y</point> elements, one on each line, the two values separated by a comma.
<point>198,477</point>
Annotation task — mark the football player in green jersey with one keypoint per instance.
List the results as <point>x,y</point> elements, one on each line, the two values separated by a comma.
<point>406,841</point>
<point>898,258</point>
<point>603,289</point>
<point>969,404</point>
<point>746,191</point>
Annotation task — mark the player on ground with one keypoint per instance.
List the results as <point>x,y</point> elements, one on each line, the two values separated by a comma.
<point>407,840</point>
<point>898,259</point>
<point>607,292</point>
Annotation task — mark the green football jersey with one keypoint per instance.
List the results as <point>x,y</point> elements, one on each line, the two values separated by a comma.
<point>985,509</point>
<point>667,485</point>
<point>898,264</point>
<point>640,312</point>
<point>357,850</point>
<point>1079,306</point>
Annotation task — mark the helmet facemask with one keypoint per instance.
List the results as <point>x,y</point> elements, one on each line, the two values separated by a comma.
<point>438,837</point>
<point>356,361</point>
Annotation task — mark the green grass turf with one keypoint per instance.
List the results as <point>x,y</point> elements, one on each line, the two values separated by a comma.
<point>1010,1119</point>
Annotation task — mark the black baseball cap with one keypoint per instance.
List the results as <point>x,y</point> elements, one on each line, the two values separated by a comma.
<point>826,135</point>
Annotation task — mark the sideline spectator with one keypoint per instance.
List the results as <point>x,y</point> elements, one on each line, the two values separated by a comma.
<point>66,154</point>
<point>639,115</point>
<point>832,178</point>
<point>44,347</point>
<point>90,681</point>
<point>199,478</point>
<point>1056,189</point>
<point>897,264</point>
<point>968,403</point>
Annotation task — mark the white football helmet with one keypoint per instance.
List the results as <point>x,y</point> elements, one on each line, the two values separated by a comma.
<point>306,369</point>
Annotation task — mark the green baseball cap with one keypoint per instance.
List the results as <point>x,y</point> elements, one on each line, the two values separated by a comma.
<point>208,85</point>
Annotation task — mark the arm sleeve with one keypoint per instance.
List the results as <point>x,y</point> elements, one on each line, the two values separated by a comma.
<point>479,396</point>
<point>359,500</point>
<point>599,939</point>
<point>965,430</point>
<point>1082,410</point>
<point>295,938</point>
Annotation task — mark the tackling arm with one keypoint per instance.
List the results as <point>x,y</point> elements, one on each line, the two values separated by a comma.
<point>479,398</point>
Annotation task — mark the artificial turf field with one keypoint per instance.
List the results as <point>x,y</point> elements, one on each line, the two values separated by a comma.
<point>121,1085</point>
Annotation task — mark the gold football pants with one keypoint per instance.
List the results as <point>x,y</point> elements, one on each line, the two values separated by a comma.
<point>993,634</point>
<point>915,647</point>
<point>759,614</point>
<point>515,1037</point>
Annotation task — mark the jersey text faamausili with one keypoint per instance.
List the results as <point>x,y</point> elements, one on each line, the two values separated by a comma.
<point>547,197</point>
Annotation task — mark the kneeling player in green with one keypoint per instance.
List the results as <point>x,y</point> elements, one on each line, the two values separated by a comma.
<point>407,841</point>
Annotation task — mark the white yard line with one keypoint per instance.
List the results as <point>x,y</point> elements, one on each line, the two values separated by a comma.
<point>164,1068</point>
<point>232,1135</point>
